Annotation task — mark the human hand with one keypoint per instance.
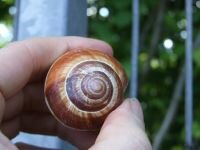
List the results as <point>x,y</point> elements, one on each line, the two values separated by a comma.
<point>23,67</point>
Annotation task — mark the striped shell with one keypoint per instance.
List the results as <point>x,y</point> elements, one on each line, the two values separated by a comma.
<point>83,86</point>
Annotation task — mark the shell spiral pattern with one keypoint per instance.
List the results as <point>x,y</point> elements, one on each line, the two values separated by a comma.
<point>90,86</point>
<point>83,87</point>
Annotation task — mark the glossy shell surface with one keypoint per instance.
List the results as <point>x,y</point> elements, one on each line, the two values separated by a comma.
<point>83,86</point>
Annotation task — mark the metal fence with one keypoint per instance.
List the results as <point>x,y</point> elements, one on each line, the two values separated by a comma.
<point>37,18</point>
<point>188,70</point>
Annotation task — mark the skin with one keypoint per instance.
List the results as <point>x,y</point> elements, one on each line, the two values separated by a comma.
<point>23,67</point>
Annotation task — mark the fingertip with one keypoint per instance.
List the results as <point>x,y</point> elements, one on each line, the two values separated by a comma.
<point>129,112</point>
<point>105,47</point>
<point>132,105</point>
<point>78,42</point>
<point>136,108</point>
<point>127,120</point>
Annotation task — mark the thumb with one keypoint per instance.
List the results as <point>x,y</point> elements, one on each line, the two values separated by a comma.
<point>124,129</point>
<point>128,114</point>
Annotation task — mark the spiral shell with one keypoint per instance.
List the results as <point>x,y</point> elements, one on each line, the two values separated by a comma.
<point>83,86</point>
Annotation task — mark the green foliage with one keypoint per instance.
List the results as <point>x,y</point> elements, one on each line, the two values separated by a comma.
<point>196,129</point>
<point>5,19</point>
<point>156,89</point>
<point>196,57</point>
<point>4,7</point>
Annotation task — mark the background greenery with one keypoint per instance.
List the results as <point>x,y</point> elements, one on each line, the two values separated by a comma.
<point>159,67</point>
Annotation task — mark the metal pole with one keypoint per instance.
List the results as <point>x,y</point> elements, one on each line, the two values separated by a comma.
<point>188,76</point>
<point>135,48</point>
<point>40,18</point>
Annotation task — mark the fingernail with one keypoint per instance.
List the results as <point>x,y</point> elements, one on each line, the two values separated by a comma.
<point>135,108</point>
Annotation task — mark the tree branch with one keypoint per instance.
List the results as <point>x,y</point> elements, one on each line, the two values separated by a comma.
<point>155,37</point>
<point>148,25</point>
<point>171,110</point>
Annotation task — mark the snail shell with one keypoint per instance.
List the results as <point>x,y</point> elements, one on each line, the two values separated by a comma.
<point>83,86</point>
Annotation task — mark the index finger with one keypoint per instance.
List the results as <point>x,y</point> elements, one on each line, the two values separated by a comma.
<point>20,61</point>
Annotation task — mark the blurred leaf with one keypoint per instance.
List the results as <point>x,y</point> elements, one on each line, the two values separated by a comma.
<point>196,129</point>
<point>121,19</point>
<point>178,147</point>
<point>196,57</point>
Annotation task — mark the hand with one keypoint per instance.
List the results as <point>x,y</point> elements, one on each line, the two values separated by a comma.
<point>23,67</point>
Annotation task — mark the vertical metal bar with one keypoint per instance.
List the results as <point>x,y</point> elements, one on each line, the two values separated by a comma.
<point>51,18</point>
<point>135,48</point>
<point>16,20</point>
<point>188,76</point>
<point>40,18</point>
<point>76,20</point>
